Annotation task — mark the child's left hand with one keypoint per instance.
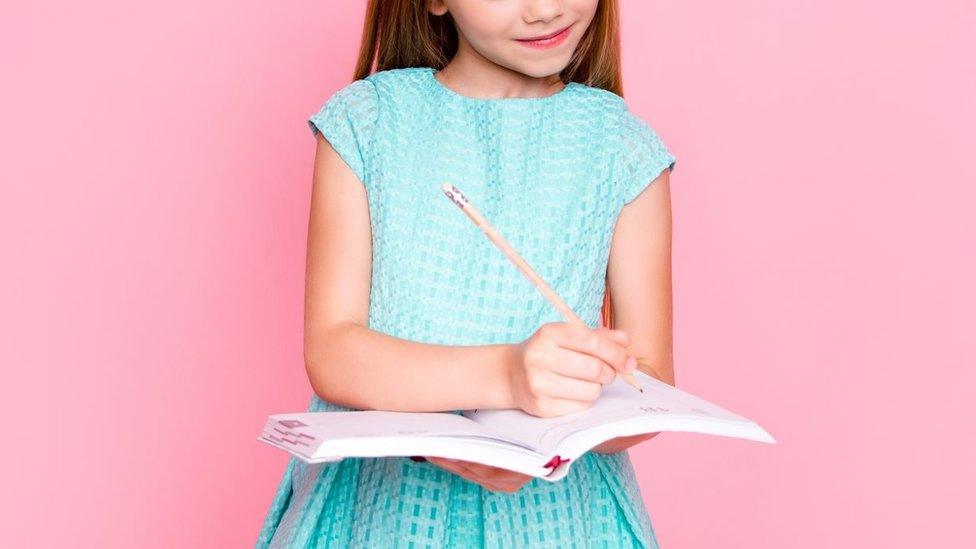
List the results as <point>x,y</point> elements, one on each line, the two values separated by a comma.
<point>620,444</point>
<point>492,478</point>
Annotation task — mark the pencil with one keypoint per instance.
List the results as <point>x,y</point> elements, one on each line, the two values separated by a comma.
<point>462,202</point>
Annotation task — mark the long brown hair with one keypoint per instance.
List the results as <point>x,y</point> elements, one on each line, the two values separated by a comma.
<point>403,33</point>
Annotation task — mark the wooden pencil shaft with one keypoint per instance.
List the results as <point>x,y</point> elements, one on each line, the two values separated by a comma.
<point>527,270</point>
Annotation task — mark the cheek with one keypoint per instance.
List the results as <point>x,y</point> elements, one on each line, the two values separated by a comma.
<point>488,29</point>
<point>583,11</point>
<point>584,8</point>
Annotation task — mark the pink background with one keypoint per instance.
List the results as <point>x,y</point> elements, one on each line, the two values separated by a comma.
<point>155,189</point>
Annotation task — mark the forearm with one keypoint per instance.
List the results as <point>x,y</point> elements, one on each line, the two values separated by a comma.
<point>355,366</point>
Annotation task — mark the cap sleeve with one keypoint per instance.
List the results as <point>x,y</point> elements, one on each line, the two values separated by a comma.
<point>642,156</point>
<point>348,121</point>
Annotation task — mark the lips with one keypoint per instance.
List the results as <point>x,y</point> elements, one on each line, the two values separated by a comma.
<point>543,37</point>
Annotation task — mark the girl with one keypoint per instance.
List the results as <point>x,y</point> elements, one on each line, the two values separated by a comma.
<point>410,308</point>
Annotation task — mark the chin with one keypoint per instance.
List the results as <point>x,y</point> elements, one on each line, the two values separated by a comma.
<point>541,70</point>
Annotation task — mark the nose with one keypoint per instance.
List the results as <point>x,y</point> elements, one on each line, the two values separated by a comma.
<point>542,10</point>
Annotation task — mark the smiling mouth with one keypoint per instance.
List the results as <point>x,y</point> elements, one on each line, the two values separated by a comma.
<point>545,36</point>
<point>548,39</point>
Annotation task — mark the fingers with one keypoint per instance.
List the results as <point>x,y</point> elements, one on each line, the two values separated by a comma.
<point>478,471</point>
<point>599,343</point>
<point>495,474</point>
<point>584,367</point>
<point>493,478</point>
<point>555,386</point>
<point>462,470</point>
<point>453,466</point>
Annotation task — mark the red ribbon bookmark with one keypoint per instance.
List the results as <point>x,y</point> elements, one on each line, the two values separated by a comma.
<point>555,462</point>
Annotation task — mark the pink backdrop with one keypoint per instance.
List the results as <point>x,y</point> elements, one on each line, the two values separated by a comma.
<point>155,185</point>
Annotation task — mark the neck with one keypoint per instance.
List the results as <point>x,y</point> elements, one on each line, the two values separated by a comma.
<point>471,74</point>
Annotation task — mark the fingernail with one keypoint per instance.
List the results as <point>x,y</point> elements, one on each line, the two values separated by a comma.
<point>631,364</point>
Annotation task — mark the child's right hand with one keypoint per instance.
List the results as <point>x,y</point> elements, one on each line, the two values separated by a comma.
<point>563,367</point>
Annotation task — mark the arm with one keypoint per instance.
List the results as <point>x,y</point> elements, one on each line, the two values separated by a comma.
<point>355,366</point>
<point>639,273</point>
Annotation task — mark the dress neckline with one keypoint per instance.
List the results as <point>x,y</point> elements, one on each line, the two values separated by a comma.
<point>449,93</point>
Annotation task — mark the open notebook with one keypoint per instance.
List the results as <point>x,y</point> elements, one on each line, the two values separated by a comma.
<point>511,439</point>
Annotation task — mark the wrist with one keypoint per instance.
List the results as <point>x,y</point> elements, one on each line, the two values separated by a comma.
<point>505,365</point>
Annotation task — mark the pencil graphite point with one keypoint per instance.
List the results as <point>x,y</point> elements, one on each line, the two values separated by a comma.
<point>632,381</point>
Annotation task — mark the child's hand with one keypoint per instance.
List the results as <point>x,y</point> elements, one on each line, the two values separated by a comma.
<point>492,478</point>
<point>563,367</point>
<point>620,444</point>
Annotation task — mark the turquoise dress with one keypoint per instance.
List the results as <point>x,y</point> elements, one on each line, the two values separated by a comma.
<point>551,174</point>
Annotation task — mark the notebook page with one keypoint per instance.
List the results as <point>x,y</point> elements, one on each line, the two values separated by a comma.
<point>619,402</point>
<point>373,423</point>
<point>317,437</point>
<point>309,432</point>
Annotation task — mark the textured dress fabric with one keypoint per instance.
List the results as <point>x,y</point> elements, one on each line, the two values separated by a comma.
<point>551,174</point>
